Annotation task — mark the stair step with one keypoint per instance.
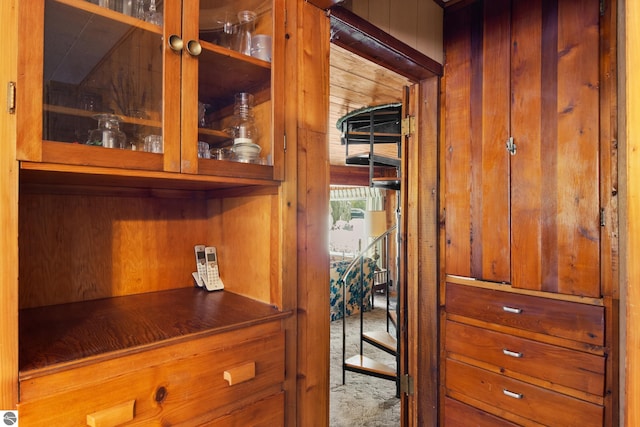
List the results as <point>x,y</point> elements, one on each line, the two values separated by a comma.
<point>386,182</point>
<point>382,340</point>
<point>368,366</point>
<point>361,138</point>
<point>363,160</point>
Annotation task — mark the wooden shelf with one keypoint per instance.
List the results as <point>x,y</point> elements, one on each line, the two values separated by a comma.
<point>77,112</point>
<point>241,73</point>
<point>74,176</point>
<point>67,335</point>
<point>98,12</point>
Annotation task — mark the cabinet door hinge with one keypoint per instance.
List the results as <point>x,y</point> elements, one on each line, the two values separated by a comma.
<point>408,126</point>
<point>603,221</point>
<point>11,97</point>
<point>406,384</point>
<point>602,7</point>
<point>284,142</point>
<point>511,146</point>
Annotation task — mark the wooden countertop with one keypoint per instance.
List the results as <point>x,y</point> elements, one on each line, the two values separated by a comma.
<point>67,335</point>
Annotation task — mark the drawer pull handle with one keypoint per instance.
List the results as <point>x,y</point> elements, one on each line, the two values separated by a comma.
<point>512,394</point>
<point>511,353</point>
<point>240,374</point>
<point>512,309</point>
<point>113,416</point>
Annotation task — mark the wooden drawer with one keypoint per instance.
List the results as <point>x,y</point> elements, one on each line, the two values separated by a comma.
<point>557,365</point>
<point>564,319</point>
<point>201,378</point>
<point>457,414</point>
<point>267,412</point>
<point>528,401</point>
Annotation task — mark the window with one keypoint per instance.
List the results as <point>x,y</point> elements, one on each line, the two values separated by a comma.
<point>347,234</point>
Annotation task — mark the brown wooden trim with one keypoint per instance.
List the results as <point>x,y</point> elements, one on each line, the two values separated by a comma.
<point>452,5</point>
<point>310,175</point>
<point>362,38</point>
<point>630,211</point>
<point>508,288</point>
<point>423,313</point>
<point>476,111</point>
<point>324,4</point>
<point>9,216</point>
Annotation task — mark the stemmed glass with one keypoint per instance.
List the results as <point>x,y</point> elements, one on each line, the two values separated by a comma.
<point>138,10</point>
<point>153,16</point>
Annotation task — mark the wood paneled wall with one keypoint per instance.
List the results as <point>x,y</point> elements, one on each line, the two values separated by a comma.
<point>418,23</point>
<point>83,247</point>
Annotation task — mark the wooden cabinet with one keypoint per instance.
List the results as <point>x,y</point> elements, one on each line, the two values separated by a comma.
<point>110,323</point>
<point>175,79</point>
<point>522,144</point>
<point>529,289</point>
<point>207,374</point>
<point>522,360</point>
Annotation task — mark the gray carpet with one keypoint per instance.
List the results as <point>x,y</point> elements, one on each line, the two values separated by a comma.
<point>363,401</point>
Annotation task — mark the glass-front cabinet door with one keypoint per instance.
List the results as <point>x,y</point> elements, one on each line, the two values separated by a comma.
<point>93,87</point>
<point>230,88</point>
<point>157,85</point>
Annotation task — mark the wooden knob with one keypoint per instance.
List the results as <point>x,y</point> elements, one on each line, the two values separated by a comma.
<point>176,43</point>
<point>194,47</point>
<point>113,416</point>
<point>240,374</point>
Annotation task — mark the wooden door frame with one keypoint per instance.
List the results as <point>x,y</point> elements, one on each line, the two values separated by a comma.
<point>630,210</point>
<point>419,224</point>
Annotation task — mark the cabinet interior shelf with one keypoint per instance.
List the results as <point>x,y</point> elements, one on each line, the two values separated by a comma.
<point>241,73</point>
<point>63,336</point>
<point>213,134</point>
<point>75,176</point>
<point>77,112</point>
<point>105,13</point>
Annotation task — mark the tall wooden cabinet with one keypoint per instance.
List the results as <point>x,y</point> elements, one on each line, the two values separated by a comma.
<point>528,213</point>
<point>522,114</point>
<point>109,324</point>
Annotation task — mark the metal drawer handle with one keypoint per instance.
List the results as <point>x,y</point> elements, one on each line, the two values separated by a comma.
<point>512,309</point>
<point>511,353</point>
<point>512,394</point>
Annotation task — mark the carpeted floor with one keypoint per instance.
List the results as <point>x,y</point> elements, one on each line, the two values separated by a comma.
<point>363,401</point>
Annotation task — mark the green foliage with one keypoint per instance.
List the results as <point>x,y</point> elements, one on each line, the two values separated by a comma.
<point>341,209</point>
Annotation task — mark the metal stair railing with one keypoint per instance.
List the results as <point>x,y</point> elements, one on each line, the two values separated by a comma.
<point>341,281</point>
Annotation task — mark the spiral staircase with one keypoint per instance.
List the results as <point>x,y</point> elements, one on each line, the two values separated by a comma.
<point>378,126</point>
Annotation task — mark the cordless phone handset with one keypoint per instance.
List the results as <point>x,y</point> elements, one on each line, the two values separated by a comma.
<point>213,282</point>
<point>200,276</point>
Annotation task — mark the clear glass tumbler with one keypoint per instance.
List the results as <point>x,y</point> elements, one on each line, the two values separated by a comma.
<point>247,24</point>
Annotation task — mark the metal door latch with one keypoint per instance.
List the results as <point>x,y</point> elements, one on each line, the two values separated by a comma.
<point>511,146</point>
